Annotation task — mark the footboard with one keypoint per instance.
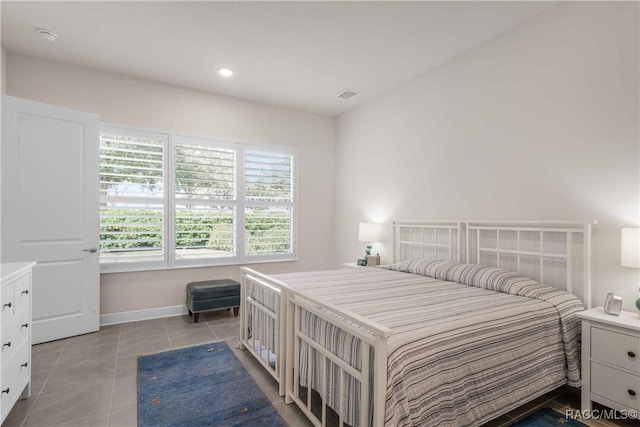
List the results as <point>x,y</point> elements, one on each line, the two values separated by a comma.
<point>262,329</point>
<point>336,363</point>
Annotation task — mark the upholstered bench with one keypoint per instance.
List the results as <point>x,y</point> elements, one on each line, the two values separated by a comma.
<point>212,295</point>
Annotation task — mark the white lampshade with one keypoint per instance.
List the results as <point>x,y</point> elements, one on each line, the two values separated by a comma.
<point>370,232</point>
<point>630,248</point>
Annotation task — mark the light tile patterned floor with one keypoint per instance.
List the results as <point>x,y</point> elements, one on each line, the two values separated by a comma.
<point>90,380</point>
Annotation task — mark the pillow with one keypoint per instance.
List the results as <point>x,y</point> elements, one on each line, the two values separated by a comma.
<point>421,266</point>
<point>439,269</point>
<point>480,276</point>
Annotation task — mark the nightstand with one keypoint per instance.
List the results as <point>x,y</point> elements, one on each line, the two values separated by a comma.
<point>352,265</point>
<point>610,360</point>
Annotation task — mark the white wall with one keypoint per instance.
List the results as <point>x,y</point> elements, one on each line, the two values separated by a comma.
<point>3,72</point>
<point>540,122</point>
<point>132,101</point>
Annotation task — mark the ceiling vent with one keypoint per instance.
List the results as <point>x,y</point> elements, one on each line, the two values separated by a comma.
<point>347,94</point>
<point>47,34</point>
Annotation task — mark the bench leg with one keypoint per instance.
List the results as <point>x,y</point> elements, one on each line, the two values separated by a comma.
<point>190,313</point>
<point>195,317</point>
<point>235,311</point>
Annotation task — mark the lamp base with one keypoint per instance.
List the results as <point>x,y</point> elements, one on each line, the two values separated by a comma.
<point>372,260</point>
<point>367,251</point>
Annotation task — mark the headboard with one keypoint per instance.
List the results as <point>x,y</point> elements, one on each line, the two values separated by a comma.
<point>427,239</point>
<point>555,253</point>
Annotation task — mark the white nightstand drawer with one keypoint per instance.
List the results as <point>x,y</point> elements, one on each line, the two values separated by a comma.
<point>615,385</point>
<point>616,349</point>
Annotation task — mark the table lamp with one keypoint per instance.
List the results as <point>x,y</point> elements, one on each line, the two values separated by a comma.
<point>630,251</point>
<point>369,232</point>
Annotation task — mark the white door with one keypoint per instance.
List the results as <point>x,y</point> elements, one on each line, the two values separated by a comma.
<point>50,209</point>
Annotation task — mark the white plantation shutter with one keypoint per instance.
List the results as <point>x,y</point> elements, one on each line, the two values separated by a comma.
<point>268,176</point>
<point>268,230</point>
<point>204,172</point>
<point>170,200</point>
<point>269,204</point>
<point>205,200</point>
<point>132,191</point>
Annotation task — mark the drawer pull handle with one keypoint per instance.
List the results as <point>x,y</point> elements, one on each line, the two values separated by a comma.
<point>631,354</point>
<point>631,392</point>
<point>25,364</point>
<point>7,305</point>
<point>25,292</point>
<point>26,325</point>
<point>6,390</point>
<point>7,344</point>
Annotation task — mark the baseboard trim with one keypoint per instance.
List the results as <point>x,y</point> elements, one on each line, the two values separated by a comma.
<point>137,315</point>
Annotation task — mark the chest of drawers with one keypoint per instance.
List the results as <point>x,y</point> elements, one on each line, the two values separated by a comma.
<point>610,360</point>
<point>15,334</point>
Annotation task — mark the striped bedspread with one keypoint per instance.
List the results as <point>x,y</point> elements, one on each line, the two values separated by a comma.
<point>469,342</point>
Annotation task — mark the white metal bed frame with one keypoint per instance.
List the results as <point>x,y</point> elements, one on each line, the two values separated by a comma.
<point>430,233</point>
<point>566,231</point>
<point>279,335</point>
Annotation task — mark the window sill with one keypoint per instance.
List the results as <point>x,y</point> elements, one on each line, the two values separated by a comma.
<point>129,268</point>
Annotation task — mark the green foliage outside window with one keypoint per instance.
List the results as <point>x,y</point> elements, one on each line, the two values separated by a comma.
<point>265,232</point>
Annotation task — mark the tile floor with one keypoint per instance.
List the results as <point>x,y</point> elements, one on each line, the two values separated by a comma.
<point>90,380</point>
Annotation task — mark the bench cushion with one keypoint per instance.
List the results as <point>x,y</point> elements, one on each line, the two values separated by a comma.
<point>213,289</point>
<point>213,294</point>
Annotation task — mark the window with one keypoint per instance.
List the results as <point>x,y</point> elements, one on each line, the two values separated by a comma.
<point>132,197</point>
<point>175,201</point>
<point>268,191</point>
<point>204,200</point>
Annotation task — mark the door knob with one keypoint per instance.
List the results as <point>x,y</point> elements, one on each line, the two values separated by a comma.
<point>93,250</point>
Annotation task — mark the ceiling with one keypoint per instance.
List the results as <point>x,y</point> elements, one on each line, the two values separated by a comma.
<point>299,55</point>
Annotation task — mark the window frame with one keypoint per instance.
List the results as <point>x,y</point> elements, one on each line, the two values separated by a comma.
<point>170,201</point>
<point>293,204</point>
<point>141,265</point>
<point>173,261</point>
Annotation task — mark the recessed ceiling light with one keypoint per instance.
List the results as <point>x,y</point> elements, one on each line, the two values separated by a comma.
<point>47,34</point>
<point>348,94</point>
<point>225,72</point>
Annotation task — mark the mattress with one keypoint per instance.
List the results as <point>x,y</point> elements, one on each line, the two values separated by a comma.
<point>469,342</point>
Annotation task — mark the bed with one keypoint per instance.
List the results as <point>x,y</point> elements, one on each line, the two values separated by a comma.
<point>451,333</point>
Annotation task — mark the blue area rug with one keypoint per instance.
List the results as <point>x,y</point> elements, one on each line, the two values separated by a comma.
<point>204,385</point>
<point>547,417</point>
